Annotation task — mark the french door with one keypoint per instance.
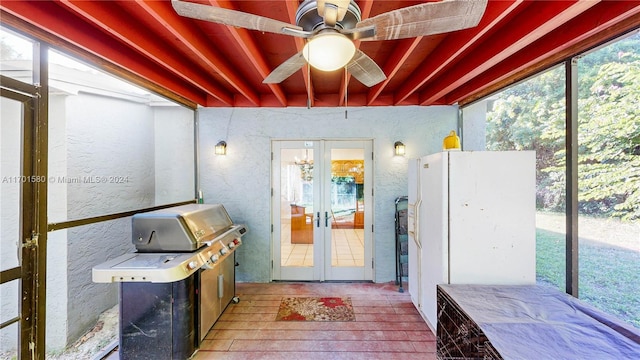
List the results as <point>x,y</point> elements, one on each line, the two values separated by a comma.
<point>322,210</point>
<point>22,182</point>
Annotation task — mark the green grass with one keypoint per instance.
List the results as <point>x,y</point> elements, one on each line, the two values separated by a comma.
<point>609,278</point>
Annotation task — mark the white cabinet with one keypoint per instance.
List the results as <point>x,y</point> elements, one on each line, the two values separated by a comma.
<point>475,218</point>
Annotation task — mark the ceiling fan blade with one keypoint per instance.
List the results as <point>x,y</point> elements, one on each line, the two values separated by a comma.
<point>426,19</point>
<point>231,17</point>
<point>365,70</point>
<point>285,69</point>
<point>334,13</point>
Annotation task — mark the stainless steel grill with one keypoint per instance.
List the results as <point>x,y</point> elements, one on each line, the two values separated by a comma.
<point>177,283</point>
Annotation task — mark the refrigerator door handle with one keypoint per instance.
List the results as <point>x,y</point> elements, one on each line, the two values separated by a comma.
<point>416,223</point>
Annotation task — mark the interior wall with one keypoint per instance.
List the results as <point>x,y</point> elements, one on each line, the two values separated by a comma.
<point>241,180</point>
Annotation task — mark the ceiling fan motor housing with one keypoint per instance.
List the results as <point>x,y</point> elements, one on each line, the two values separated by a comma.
<point>307,16</point>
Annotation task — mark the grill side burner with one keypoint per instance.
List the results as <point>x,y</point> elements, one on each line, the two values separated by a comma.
<point>179,281</point>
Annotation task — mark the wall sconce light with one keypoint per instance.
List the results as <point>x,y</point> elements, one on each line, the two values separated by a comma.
<point>221,148</point>
<point>399,148</point>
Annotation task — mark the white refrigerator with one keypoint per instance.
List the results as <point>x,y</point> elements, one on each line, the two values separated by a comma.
<point>471,220</point>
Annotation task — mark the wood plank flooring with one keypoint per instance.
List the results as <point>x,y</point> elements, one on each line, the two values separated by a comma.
<point>387,326</point>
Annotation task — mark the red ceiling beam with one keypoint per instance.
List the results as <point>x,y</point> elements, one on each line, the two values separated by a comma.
<point>65,27</point>
<point>365,8</point>
<point>199,44</point>
<point>252,51</point>
<point>597,25</point>
<point>449,50</point>
<point>108,16</point>
<point>525,28</point>
<point>400,55</point>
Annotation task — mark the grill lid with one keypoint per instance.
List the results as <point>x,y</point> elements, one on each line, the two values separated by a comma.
<point>180,228</point>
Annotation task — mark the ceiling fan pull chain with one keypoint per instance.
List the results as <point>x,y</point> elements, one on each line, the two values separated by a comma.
<point>346,105</point>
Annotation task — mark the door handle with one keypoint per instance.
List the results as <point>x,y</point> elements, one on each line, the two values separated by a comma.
<point>318,219</point>
<point>326,219</point>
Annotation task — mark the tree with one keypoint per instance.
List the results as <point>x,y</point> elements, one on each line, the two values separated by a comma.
<point>531,116</point>
<point>609,135</point>
<point>520,119</point>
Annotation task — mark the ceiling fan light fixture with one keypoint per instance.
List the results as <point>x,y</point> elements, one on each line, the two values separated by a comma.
<point>329,51</point>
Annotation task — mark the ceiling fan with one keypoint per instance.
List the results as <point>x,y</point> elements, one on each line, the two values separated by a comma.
<point>330,26</point>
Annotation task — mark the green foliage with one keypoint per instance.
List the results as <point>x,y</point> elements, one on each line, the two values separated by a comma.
<point>342,179</point>
<point>531,116</point>
<point>609,135</point>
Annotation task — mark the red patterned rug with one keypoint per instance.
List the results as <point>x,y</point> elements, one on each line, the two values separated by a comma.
<point>316,309</point>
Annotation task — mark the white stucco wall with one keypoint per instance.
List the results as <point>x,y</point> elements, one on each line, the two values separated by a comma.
<point>474,124</point>
<point>107,138</point>
<point>174,154</point>
<point>241,180</point>
<point>57,211</point>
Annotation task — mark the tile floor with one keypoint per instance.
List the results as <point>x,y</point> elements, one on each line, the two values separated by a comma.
<point>347,249</point>
<point>387,326</point>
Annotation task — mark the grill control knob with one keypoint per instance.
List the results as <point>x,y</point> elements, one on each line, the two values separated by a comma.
<point>223,251</point>
<point>191,265</point>
<point>214,258</point>
<point>232,245</point>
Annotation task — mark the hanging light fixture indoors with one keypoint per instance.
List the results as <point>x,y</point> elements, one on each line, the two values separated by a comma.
<point>306,167</point>
<point>221,148</point>
<point>329,51</point>
<point>399,148</point>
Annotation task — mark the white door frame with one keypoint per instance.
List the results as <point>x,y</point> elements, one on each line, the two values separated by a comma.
<point>279,272</point>
<point>322,269</point>
<point>364,272</point>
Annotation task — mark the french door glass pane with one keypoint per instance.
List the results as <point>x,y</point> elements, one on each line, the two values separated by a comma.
<point>347,207</point>
<point>296,210</point>
<point>10,222</point>
<point>10,173</point>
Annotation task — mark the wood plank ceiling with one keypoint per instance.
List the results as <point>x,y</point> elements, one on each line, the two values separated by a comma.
<point>216,65</point>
